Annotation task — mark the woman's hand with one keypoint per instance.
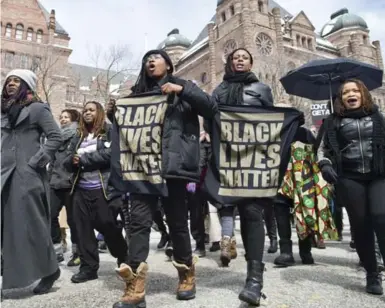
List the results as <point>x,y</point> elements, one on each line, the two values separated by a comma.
<point>75,160</point>
<point>169,88</point>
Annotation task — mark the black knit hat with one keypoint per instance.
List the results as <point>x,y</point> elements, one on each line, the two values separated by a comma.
<point>165,56</point>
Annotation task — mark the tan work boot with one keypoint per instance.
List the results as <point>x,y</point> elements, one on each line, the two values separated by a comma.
<point>134,293</point>
<point>233,248</point>
<point>225,250</point>
<point>186,287</point>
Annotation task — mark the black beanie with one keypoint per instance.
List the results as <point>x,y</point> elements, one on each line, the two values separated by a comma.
<point>165,56</point>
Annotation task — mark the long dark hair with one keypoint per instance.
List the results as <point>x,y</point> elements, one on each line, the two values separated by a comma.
<point>366,97</point>
<point>98,127</point>
<point>229,60</point>
<point>144,83</point>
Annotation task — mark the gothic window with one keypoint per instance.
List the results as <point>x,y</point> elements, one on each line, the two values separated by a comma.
<point>24,61</point>
<point>204,78</point>
<point>29,34</point>
<point>39,36</point>
<point>264,44</point>
<point>229,46</point>
<point>223,16</point>
<point>8,30</point>
<point>260,6</point>
<point>8,59</point>
<point>232,10</point>
<point>19,31</point>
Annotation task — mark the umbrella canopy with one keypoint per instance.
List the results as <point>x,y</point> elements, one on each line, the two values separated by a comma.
<point>320,79</point>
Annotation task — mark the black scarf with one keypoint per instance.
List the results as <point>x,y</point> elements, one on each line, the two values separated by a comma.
<point>235,83</point>
<point>12,109</point>
<point>332,124</point>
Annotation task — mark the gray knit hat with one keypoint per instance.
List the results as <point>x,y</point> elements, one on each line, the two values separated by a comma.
<point>28,76</point>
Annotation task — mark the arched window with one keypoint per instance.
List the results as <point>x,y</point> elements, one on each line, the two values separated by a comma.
<point>39,36</point>
<point>29,34</point>
<point>8,30</point>
<point>232,10</point>
<point>223,15</point>
<point>204,78</point>
<point>260,6</point>
<point>19,31</point>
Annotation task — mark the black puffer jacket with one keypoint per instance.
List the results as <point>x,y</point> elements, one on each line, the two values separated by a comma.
<point>180,141</point>
<point>98,160</point>
<point>59,176</point>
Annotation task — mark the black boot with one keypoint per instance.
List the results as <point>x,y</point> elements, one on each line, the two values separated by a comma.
<point>46,283</point>
<point>305,250</point>
<point>200,250</point>
<point>252,292</point>
<point>380,261</point>
<point>84,277</point>
<point>215,247</point>
<point>273,246</point>
<point>374,284</point>
<point>163,240</point>
<point>169,250</point>
<point>286,257</point>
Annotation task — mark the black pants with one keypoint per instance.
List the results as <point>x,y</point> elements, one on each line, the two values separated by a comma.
<point>252,228</point>
<point>92,212</point>
<point>283,215</point>
<point>270,222</point>
<point>142,210</point>
<point>365,204</point>
<point>196,206</point>
<point>158,216</point>
<point>60,198</point>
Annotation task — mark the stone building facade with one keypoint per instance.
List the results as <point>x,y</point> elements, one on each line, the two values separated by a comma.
<point>278,40</point>
<point>31,38</point>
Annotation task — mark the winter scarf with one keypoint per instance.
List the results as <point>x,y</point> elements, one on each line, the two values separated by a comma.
<point>235,83</point>
<point>68,131</point>
<point>331,126</point>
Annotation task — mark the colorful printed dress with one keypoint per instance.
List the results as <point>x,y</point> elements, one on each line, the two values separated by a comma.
<point>303,183</point>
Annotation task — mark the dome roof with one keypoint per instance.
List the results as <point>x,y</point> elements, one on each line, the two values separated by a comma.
<point>175,39</point>
<point>343,19</point>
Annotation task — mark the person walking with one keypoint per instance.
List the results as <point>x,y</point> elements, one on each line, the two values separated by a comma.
<point>180,125</point>
<point>238,82</point>
<point>94,205</point>
<point>61,188</point>
<point>26,245</point>
<point>352,156</point>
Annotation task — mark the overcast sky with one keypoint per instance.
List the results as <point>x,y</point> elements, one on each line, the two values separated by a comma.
<point>106,22</point>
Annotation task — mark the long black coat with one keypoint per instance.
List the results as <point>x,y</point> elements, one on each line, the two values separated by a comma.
<point>26,241</point>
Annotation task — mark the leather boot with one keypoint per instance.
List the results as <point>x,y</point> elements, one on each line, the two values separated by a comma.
<point>286,257</point>
<point>46,283</point>
<point>225,251</point>
<point>163,240</point>
<point>252,292</point>
<point>305,250</point>
<point>374,283</point>
<point>233,248</point>
<point>134,292</point>
<point>380,261</point>
<point>186,286</point>
<point>273,246</point>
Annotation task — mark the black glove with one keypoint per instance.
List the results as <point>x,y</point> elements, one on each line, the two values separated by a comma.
<point>329,174</point>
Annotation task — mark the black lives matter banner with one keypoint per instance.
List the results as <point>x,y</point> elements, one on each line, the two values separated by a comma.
<point>248,143</point>
<point>137,145</point>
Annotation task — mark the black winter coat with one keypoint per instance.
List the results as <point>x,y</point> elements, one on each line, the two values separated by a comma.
<point>98,160</point>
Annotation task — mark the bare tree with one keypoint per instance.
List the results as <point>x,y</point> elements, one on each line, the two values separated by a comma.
<point>112,64</point>
<point>46,63</point>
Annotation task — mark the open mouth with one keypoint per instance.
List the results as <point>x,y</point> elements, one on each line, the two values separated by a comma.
<point>151,67</point>
<point>352,101</point>
<point>240,66</point>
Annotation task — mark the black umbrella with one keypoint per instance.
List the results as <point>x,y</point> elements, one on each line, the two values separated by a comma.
<point>320,79</point>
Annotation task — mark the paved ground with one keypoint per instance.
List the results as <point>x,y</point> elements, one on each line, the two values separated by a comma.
<point>335,281</point>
